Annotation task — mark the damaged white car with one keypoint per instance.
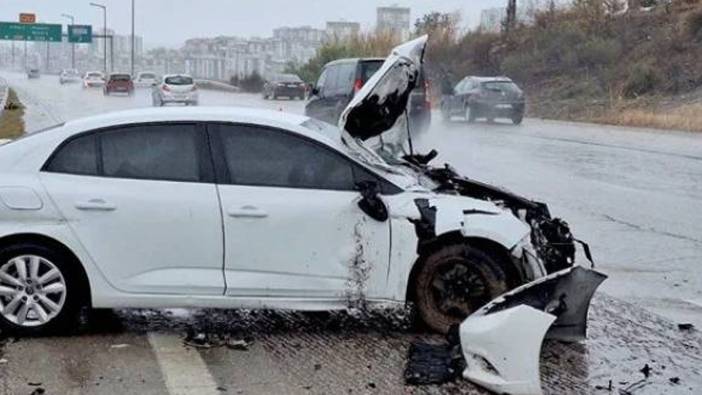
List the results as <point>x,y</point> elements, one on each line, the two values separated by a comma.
<point>239,208</point>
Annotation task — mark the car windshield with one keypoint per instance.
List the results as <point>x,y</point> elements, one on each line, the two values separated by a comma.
<point>147,76</point>
<point>94,75</point>
<point>501,86</point>
<point>179,80</point>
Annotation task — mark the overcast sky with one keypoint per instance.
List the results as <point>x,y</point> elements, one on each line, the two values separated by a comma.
<point>170,22</point>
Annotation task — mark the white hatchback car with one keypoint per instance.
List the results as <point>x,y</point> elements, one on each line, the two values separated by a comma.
<point>241,208</point>
<point>175,88</point>
<point>146,79</point>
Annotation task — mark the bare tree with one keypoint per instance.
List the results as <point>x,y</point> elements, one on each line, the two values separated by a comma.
<point>511,19</point>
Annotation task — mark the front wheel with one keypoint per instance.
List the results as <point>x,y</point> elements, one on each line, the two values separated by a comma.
<point>455,281</point>
<point>40,290</point>
<point>517,119</point>
<point>469,114</point>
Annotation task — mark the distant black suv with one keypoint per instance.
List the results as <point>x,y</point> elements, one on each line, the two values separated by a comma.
<point>484,97</point>
<point>341,79</point>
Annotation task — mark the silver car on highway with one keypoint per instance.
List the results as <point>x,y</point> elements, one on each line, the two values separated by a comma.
<point>175,88</point>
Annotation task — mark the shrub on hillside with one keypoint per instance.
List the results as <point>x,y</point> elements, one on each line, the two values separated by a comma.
<point>642,79</point>
<point>694,24</point>
<point>599,51</point>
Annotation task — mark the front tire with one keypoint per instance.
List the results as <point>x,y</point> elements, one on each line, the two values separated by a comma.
<point>41,292</point>
<point>455,281</point>
<point>517,119</point>
<point>469,114</point>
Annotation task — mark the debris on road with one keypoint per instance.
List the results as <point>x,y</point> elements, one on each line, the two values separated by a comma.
<point>206,340</point>
<point>646,370</point>
<point>118,346</point>
<point>3,361</point>
<point>685,326</point>
<point>674,380</point>
<point>433,363</point>
<point>38,391</point>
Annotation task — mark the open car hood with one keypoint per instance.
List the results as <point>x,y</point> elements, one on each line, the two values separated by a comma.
<point>382,102</point>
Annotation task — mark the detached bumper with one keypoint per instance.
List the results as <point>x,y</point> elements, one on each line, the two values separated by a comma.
<point>501,342</point>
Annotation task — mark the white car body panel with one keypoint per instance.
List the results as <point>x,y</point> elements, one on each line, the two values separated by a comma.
<point>162,245</point>
<point>514,361</point>
<point>162,237</point>
<point>286,242</point>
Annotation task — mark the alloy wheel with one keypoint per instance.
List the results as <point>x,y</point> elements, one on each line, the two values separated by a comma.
<point>32,291</point>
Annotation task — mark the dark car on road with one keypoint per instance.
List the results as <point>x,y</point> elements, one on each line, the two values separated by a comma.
<point>341,79</point>
<point>484,97</point>
<point>119,82</point>
<point>284,85</point>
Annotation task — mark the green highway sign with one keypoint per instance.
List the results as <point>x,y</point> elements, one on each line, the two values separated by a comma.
<point>30,31</point>
<point>80,34</point>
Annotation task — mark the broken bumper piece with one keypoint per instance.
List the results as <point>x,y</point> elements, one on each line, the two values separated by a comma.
<point>501,342</point>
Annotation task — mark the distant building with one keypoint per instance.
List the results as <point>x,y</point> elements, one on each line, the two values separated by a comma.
<point>394,21</point>
<point>222,58</point>
<point>342,30</point>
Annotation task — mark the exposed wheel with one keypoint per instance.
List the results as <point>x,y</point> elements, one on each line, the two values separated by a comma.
<point>517,119</point>
<point>40,290</point>
<point>455,281</point>
<point>469,114</point>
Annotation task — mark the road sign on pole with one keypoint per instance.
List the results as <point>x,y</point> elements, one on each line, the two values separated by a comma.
<point>80,33</point>
<point>30,32</point>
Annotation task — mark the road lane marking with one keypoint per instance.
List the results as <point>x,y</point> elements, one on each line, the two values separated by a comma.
<point>184,371</point>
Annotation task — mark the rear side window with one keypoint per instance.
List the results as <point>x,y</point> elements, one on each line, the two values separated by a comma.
<point>369,68</point>
<point>266,157</point>
<point>78,156</point>
<point>155,152</point>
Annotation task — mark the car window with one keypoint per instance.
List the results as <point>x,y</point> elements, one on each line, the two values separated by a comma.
<point>329,87</point>
<point>179,80</point>
<point>266,157</point>
<point>345,78</point>
<point>78,156</point>
<point>156,152</point>
<point>147,76</point>
<point>321,82</point>
<point>368,68</point>
<point>120,77</point>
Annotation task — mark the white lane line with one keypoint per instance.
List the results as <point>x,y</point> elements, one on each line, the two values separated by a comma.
<point>184,371</point>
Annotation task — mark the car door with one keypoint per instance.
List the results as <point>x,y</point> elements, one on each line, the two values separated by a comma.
<point>142,201</point>
<point>292,227</point>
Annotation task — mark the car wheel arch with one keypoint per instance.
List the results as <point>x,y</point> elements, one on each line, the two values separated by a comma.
<point>495,250</point>
<point>49,242</point>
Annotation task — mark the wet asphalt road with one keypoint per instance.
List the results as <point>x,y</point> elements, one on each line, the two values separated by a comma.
<point>635,195</point>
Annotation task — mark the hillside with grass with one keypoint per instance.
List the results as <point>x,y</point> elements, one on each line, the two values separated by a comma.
<point>589,62</point>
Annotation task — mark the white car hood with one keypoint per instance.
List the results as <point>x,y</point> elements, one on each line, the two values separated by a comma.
<point>381,104</point>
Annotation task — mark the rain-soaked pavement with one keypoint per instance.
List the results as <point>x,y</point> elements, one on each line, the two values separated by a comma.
<point>635,195</point>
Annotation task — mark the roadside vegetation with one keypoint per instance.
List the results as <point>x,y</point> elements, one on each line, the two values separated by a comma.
<point>589,62</point>
<point>11,120</point>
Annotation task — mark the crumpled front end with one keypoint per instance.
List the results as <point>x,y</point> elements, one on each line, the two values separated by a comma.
<point>501,342</point>
<point>550,247</point>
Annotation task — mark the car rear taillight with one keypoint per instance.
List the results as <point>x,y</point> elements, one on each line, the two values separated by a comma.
<point>357,85</point>
<point>165,88</point>
<point>194,88</point>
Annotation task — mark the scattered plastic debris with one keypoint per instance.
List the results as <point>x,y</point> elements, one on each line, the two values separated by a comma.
<point>686,326</point>
<point>118,346</point>
<point>608,387</point>
<point>435,363</point>
<point>3,361</point>
<point>674,380</point>
<point>646,370</point>
<point>38,391</point>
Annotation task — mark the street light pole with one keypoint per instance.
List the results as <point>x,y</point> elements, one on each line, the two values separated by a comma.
<point>104,31</point>
<point>73,45</point>
<point>133,39</point>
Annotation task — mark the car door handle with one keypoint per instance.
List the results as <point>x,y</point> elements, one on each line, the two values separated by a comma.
<point>247,211</point>
<point>95,205</point>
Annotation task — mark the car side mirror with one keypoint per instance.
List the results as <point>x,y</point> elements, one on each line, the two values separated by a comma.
<point>370,202</point>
